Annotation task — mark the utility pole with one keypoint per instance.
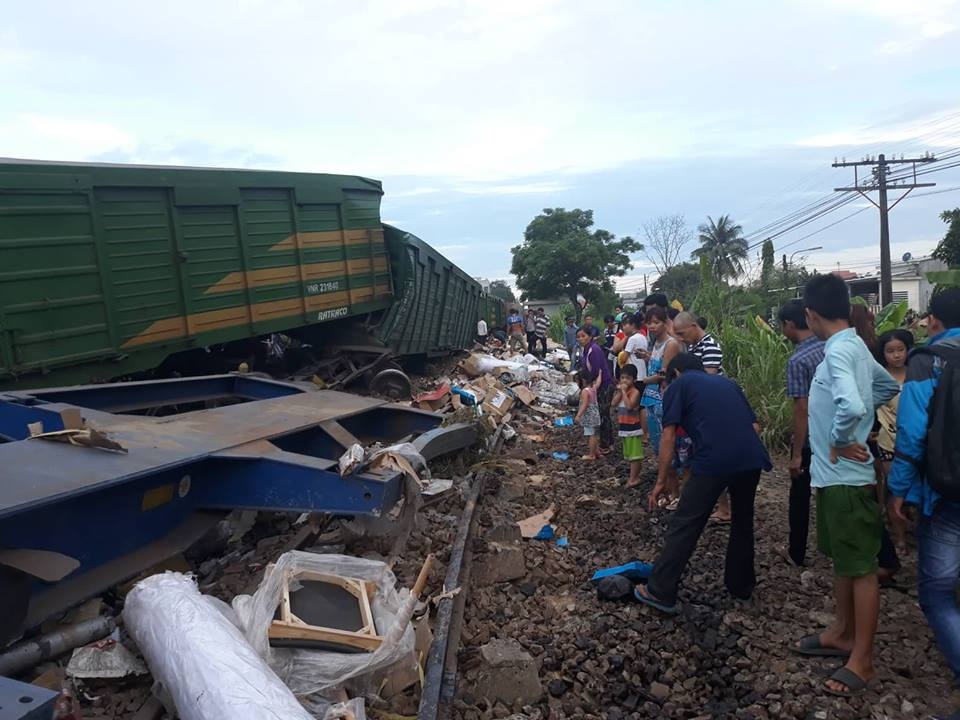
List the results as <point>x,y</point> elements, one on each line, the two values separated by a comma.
<point>882,183</point>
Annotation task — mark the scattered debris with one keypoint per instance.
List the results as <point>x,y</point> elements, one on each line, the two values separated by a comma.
<point>87,437</point>
<point>531,526</point>
<point>435,400</point>
<point>104,659</point>
<point>312,672</point>
<point>351,460</point>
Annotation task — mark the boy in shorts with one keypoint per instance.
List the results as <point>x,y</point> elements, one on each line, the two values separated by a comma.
<point>627,400</point>
<point>847,388</point>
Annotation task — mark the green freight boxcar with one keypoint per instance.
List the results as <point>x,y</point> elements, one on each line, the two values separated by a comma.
<point>108,270</point>
<point>127,265</point>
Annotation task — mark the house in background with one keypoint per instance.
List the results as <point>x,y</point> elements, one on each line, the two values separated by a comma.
<point>909,283</point>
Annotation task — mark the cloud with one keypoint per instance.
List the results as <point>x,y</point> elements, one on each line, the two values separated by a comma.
<point>452,185</point>
<point>941,129</point>
<point>916,23</point>
<point>56,137</point>
<point>196,153</point>
<point>531,188</point>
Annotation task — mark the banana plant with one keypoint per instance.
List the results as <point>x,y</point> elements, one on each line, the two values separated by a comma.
<point>891,317</point>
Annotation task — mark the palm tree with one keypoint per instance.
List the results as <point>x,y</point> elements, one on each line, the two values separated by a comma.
<point>721,242</point>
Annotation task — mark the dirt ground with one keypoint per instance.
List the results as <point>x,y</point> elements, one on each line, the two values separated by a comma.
<point>719,658</point>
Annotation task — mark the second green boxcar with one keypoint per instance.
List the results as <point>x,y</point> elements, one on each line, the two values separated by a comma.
<point>437,304</point>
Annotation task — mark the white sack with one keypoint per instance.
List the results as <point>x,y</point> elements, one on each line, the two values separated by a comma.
<point>199,658</point>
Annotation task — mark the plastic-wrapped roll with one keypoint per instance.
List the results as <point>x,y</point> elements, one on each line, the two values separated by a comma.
<point>200,659</point>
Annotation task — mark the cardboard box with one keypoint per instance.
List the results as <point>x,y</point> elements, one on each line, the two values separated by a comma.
<point>524,394</point>
<point>435,400</point>
<point>498,403</point>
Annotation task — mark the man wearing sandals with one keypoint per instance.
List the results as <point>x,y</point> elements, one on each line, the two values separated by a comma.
<point>847,387</point>
<point>727,456</point>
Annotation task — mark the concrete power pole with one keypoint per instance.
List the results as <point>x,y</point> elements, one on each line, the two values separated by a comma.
<point>882,183</point>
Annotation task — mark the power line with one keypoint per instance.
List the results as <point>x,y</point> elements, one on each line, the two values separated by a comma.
<point>820,230</point>
<point>883,184</point>
<point>812,211</point>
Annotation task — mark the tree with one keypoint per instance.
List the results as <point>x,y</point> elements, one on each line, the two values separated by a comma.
<point>562,255</point>
<point>722,244</point>
<point>602,303</point>
<point>500,289</point>
<point>766,267</point>
<point>948,249</point>
<point>666,237</point>
<point>681,282</point>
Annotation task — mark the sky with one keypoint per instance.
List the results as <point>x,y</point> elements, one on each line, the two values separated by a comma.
<point>477,115</point>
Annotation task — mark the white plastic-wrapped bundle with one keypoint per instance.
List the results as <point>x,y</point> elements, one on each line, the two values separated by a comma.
<point>199,657</point>
<point>311,673</point>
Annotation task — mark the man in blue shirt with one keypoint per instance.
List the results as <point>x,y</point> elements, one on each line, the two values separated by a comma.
<point>727,455</point>
<point>515,330</point>
<point>807,355</point>
<point>938,530</point>
<point>847,387</point>
<point>592,330</point>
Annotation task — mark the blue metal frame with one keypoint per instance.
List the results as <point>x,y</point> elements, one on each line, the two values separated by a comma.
<point>271,453</point>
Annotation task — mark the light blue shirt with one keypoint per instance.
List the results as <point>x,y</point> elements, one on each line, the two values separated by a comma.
<point>847,388</point>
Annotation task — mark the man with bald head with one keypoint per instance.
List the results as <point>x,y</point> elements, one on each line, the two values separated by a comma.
<point>704,346</point>
<point>699,342</point>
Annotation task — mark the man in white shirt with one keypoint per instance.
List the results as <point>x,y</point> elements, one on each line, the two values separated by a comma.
<point>482,331</point>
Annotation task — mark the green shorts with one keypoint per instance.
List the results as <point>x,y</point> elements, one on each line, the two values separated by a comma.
<point>633,447</point>
<point>848,528</point>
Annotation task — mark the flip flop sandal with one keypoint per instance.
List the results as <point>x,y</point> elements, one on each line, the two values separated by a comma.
<point>642,597</point>
<point>673,504</point>
<point>720,520</point>
<point>811,647</point>
<point>856,685</point>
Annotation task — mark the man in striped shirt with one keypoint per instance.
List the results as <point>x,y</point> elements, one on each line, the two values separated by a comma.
<point>542,324</point>
<point>699,342</point>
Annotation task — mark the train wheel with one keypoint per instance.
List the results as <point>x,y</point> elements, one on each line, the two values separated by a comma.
<point>391,383</point>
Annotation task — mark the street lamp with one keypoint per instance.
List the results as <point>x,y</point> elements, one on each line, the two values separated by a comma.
<point>809,249</point>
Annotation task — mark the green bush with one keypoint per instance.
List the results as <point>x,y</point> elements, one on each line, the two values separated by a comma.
<point>756,358</point>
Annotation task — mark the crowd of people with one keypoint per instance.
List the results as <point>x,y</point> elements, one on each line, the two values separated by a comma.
<point>874,425</point>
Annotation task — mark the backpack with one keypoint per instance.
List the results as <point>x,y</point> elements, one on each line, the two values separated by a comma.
<point>943,429</point>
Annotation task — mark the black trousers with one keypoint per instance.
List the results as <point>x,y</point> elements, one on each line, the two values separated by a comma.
<point>543,341</point>
<point>531,342</point>
<point>799,513</point>
<point>699,496</point>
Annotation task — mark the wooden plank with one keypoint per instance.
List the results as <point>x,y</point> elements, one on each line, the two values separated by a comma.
<point>280,630</point>
<point>365,611</point>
